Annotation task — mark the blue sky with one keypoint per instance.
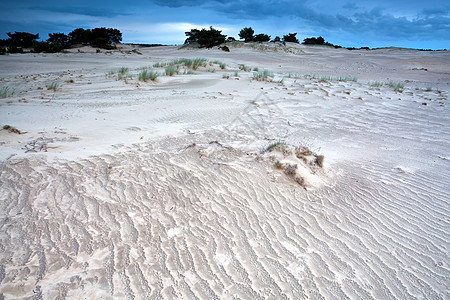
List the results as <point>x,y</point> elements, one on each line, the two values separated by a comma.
<point>382,23</point>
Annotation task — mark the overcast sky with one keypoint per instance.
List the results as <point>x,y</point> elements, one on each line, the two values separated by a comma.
<point>381,23</point>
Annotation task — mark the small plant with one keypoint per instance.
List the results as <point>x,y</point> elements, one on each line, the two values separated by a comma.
<point>146,75</point>
<point>6,92</point>
<point>11,129</point>
<point>159,65</point>
<point>172,70</point>
<point>52,86</point>
<point>189,72</point>
<point>274,146</point>
<point>255,69</point>
<point>226,76</point>
<point>199,62</point>
<point>278,165</point>
<point>211,70</point>
<point>244,68</point>
<point>122,73</point>
<point>376,84</point>
<point>397,86</point>
<point>70,81</point>
<point>236,74</point>
<point>429,89</point>
<point>347,78</point>
<point>263,76</point>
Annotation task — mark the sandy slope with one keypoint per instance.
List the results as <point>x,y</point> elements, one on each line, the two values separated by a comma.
<point>160,190</point>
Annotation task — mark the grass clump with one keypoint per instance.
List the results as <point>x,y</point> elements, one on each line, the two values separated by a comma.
<point>376,84</point>
<point>397,86</point>
<point>172,70</point>
<point>6,92</point>
<point>199,62</point>
<point>159,65</point>
<point>226,76</point>
<point>244,68</point>
<point>146,75</point>
<point>52,86</point>
<point>220,64</point>
<point>11,129</point>
<point>263,76</point>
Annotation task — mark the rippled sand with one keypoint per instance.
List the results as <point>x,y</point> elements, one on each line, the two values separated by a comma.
<point>164,190</point>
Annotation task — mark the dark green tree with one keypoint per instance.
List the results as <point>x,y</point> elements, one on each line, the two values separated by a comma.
<point>205,38</point>
<point>261,38</point>
<point>246,33</point>
<point>22,39</point>
<point>61,38</point>
<point>314,41</point>
<point>80,36</point>
<point>291,37</point>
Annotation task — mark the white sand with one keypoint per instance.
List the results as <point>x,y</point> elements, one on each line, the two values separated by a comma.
<point>159,190</point>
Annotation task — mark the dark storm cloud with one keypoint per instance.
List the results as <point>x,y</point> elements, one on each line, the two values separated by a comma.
<point>352,19</point>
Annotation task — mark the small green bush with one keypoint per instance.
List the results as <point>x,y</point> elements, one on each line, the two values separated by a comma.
<point>6,92</point>
<point>263,76</point>
<point>172,70</point>
<point>52,86</point>
<point>146,75</point>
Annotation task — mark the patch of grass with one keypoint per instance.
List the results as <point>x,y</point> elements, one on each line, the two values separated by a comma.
<point>256,69</point>
<point>376,84</point>
<point>429,89</point>
<point>278,165</point>
<point>274,146</point>
<point>146,75</point>
<point>244,68</point>
<point>263,76</point>
<point>11,129</point>
<point>347,78</point>
<point>6,92</point>
<point>172,70</point>
<point>397,86</point>
<point>226,76</point>
<point>236,74</point>
<point>326,78</point>
<point>211,70</point>
<point>52,86</point>
<point>199,62</point>
<point>189,71</point>
<point>159,65</point>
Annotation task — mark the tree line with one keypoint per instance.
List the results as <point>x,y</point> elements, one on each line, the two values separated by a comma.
<point>102,37</point>
<point>212,37</point>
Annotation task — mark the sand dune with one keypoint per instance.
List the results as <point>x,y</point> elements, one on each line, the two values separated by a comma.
<point>163,190</point>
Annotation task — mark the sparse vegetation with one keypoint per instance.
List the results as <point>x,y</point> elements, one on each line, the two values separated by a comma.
<point>244,68</point>
<point>6,92</point>
<point>52,86</point>
<point>226,76</point>
<point>11,129</point>
<point>199,62</point>
<point>172,70</point>
<point>397,86</point>
<point>263,76</point>
<point>376,84</point>
<point>146,75</point>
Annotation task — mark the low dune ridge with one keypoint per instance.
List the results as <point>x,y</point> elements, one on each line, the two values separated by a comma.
<point>207,183</point>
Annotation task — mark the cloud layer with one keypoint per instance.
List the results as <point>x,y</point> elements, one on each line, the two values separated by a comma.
<point>373,23</point>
